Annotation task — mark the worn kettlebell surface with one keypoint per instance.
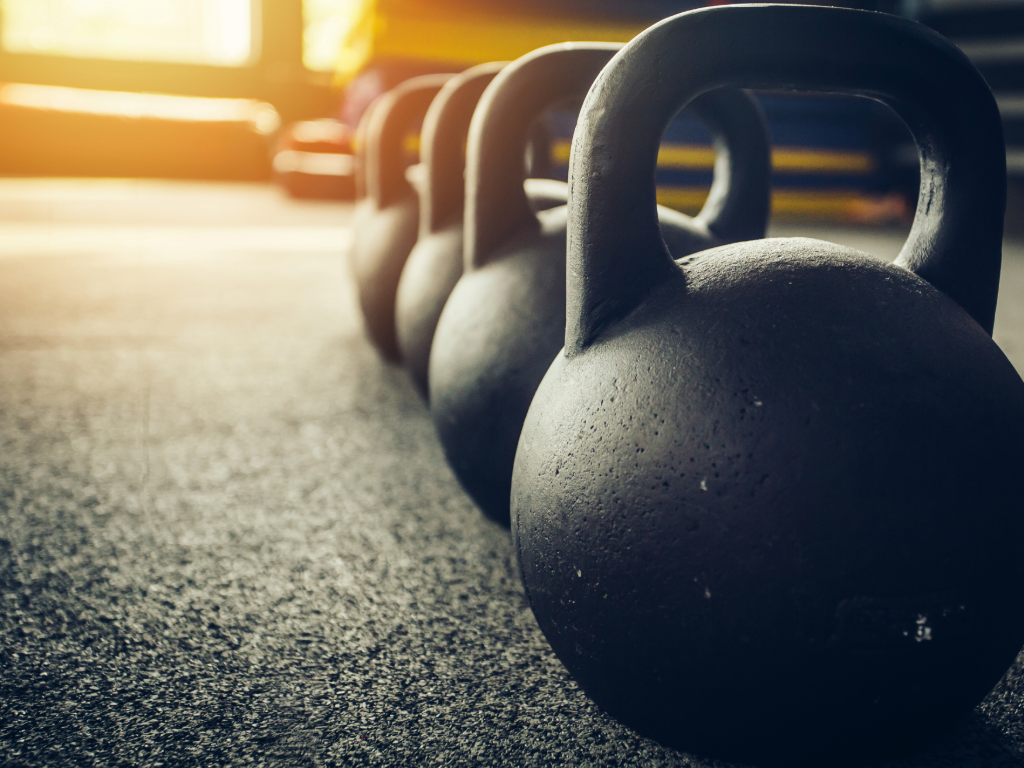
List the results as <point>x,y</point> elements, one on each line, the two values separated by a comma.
<point>229,535</point>
<point>782,468</point>
<point>796,509</point>
<point>505,319</point>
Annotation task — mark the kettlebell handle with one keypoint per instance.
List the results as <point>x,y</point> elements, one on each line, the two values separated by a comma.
<point>389,123</point>
<point>359,146</point>
<point>442,144</point>
<point>615,253</point>
<point>497,205</point>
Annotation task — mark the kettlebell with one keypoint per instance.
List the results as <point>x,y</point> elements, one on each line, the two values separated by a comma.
<point>362,207</point>
<point>435,264</point>
<point>505,320</point>
<point>767,503</point>
<point>386,226</point>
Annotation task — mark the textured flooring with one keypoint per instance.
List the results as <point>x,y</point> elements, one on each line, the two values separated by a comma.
<point>227,533</point>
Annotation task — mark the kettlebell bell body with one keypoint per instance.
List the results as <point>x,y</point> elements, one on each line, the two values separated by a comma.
<point>386,227</point>
<point>766,505</point>
<point>435,264</point>
<point>505,320</point>
<point>430,275</point>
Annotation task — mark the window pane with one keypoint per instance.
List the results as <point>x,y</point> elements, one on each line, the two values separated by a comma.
<point>185,31</point>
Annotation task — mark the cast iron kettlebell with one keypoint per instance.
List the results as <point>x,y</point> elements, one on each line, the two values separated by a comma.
<point>505,320</point>
<point>386,228</point>
<point>363,207</point>
<point>435,264</point>
<point>767,504</point>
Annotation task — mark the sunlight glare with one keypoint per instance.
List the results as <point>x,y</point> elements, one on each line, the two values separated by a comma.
<point>217,32</point>
<point>326,25</point>
<point>153,106</point>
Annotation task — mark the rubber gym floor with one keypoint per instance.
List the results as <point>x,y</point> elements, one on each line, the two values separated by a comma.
<point>228,535</point>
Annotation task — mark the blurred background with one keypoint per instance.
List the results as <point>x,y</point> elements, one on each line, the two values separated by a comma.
<point>228,533</point>
<point>272,89</point>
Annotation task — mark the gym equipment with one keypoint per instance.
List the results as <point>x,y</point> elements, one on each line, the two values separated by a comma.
<point>435,264</point>
<point>505,320</point>
<point>767,504</point>
<point>386,226</point>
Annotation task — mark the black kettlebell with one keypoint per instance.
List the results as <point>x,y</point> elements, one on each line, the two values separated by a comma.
<point>362,207</point>
<point>505,320</point>
<point>387,220</point>
<point>767,504</point>
<point>435,264</point>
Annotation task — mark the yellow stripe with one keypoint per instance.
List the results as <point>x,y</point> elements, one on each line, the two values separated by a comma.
<point>794,160</point>
<point>470,41</point>
<point>824,205</point>
<point>686,156</point>
<point>409,30</point>
<point>691,156</point>
<point>689,200</point>
<point>560,152</point>
<point>695,157</point>
<point>840,205</point>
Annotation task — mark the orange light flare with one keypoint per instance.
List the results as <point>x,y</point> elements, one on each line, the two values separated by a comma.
<point>141,106</point>
<point>53,130</point>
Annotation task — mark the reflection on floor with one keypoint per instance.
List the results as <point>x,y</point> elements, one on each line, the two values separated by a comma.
<point>132,219</point>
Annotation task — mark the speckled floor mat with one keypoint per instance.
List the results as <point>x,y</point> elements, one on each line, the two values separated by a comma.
<point>227,533</point>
